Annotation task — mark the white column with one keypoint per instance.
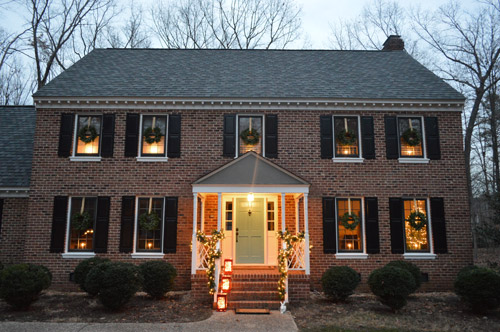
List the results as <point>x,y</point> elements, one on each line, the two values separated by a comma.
<point>297,218</point>
<point>219,226</point>
<point>219,211</point>
<point>283,212</point>
<point>306,230</point>
<point>194,254</point>
<point>202,222</point>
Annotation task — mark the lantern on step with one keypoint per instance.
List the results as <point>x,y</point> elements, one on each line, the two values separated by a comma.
<point>221,302</point>
<point>228,266</point>
<point>226,284</point>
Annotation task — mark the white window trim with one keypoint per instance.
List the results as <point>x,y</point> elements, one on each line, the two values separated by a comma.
<point>142,158</point>
<point>74,254</point>
<point>78,255</point>
<point>73,156</point>
<point>263,135</point>
<point>358,159</point>
<point>351,255</point>
<point>348,160</point>
<point>421,255</point>
<point>145,254</point>
<point>410,160</point>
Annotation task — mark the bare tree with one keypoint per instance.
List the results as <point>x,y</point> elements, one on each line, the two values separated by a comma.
<point>14,85</point>
<point>133,34</point>
<point>241,24</point>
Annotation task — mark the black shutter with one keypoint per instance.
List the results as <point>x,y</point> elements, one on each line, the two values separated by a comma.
<point>1,213</point>
<point>131,135</point>
<point>438,226</point>
<point>329,227</point>
<point>396,221</point>
<point>368,137</point>
<point>65,135</point>
<point>271,142</point>
<point>102,225</point>
<point>391,137</point>
<point>174,136</point>
<point>432,138</point>
<point>326,132</point>
<point>127,224</point>
<point>170,225</point>
<point>59,220</point>
<point>108,135</point>
<point>371,221</point>
<point>229,148</point>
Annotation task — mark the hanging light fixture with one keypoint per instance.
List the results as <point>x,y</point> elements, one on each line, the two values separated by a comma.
<point>250,198</point>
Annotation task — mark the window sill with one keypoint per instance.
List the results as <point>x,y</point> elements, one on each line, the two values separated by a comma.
<point>348,160</point>
<point>414,160</point>
<point>147,255</point>
<point>419,256</point>
<point>347,255</point>
<point>80,255</point>
<point>82,158</point>
<point>152,159</point>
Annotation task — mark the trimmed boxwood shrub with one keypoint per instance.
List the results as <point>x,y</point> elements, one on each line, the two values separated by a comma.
<point>339,282</point>
<point>157,278</point>
<point>83,268</point>
<point>93,280</point>
<point>479,287</point>
<point>392,286</point>
<point>410,267</point>
<point>21,284</point>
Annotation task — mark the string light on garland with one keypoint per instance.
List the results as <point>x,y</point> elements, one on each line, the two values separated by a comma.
<point>210,243</point>
<point>284,255</point>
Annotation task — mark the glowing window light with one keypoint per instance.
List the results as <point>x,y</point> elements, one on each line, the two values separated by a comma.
<point>226,284</point>
<point>228,266</point>
<point>221,302</point>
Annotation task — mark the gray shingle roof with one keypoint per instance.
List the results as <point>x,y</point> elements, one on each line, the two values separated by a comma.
<point>17,125</point>
<point>249,74</point>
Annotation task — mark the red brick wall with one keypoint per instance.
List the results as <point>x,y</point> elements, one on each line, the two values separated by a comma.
<point>299,152</point>
<point>12,235</point>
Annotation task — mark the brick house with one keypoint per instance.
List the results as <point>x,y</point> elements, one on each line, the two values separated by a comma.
<point>342,145</point>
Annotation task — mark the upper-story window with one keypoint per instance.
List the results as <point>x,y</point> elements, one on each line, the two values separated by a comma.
<point>250,134</point>
<point>150,224</point>
<point>153,133</point>
<point>411,137</point>
<point>349,224</point>
<point>346,135</point>
<point>88,135</point>
<point>82,220</point>
<point>416,225</point>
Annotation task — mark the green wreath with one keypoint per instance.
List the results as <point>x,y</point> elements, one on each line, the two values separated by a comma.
<point>345,137</point>
<point>149,221</point>
<point>417,220</point>
<point>412,137</point>
<point>87,134</point>
<point>250,137</point>
<point>349,221</point>
<point>82,221</point>
<point>152,135</point>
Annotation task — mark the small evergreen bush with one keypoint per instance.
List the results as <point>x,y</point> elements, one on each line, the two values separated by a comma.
<point>392,286</point>
<point>21,284</point>
<point>157,278</point>
<point>339,282</point>
<point>84,267</point>
<point>479,287</point>
<point>93,281</point>
<point>410,267</point>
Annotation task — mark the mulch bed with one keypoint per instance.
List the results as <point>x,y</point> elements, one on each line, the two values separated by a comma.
<point>79,307</point>
<point>424,312</point>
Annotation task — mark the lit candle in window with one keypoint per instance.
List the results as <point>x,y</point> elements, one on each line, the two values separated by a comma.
<point>88,148</point>
<point>153,148</point>
<point>82,245</point>
<point>346,151</point>
<point>349,246</point>
<point>150,245</point>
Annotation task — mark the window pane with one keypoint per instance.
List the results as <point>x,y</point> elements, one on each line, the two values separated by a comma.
<point>82,223</point>
<point>411,143</point>
<point>250,134</point>
<point>346,145</point>
<point>148,238</point>
<point>350,236</point>
<point>88,135</point>
<point>154,129</point>
<point>416,239</point>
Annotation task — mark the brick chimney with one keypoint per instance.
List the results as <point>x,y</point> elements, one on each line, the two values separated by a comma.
<point>394,43</point>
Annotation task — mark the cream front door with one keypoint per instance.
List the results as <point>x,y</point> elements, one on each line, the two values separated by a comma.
<point>250,231</point>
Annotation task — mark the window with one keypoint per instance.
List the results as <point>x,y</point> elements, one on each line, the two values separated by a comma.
<point>416,225</point>
<point>82,223</point>
<point>250,134</point>
<point>270,216</point>
<point>88,135</point>
<point>229,216</point>
<point>153,133</point>
<point>346,136</point>
<point>149,224</point>
<point>349,224</point>
<point>410,137</point>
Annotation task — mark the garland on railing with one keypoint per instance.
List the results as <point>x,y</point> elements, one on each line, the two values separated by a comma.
<point>212,253</point>
<point>284,255</point>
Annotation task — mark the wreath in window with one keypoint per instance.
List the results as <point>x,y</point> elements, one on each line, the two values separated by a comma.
<point>349,221</point>
<point>152,135</point>
<point>87,134</point>
<point>250,137</point>
<point>82,221</point>
<point>149,221</point>
<point>411,137</point>
<point>345,137</point>
<point>417,220</point>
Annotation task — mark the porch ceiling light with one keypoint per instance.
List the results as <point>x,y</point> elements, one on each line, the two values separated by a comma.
<point>250,197</point>
<point>250,200</point>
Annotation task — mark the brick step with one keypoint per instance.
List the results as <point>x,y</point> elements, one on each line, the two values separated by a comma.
<point>253,295</point>
<point>262,277</point>
<point>254,286</point>
<point>271,305</point>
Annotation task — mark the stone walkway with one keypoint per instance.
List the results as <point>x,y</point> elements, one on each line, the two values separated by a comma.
<point>219,321</point>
